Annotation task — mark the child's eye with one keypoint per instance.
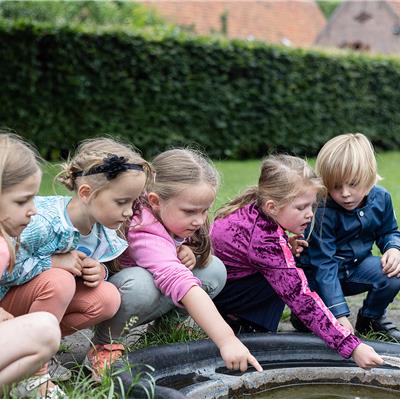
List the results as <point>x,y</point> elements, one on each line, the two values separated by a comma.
<point>21,202</point>
<point>353,184</point>
<point>121,202</point>
<point>189,212</point>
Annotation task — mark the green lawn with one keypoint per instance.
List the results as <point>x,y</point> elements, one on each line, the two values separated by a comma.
<point>237,175</point>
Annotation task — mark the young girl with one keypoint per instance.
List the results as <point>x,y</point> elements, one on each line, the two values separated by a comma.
<point>248,235</point>
<point>178,201</point>
<point>357,214</point>
<point>71,238</point>
<point>30,340</point>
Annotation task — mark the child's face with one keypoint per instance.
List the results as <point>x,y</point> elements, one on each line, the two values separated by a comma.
<point>112,206</point>
<point>183,214</point>
<point>348,195</point>
<point>295,216</point>
<point>16,204</point>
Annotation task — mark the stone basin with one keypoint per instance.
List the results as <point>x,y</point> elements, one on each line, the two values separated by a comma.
<point>196,370</point>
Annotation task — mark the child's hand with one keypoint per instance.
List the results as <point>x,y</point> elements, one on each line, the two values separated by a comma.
<point>71,261</point>
<point>4,315</point>
<point>236,355</point>
<point>366,357</point>
<point>346,323</point>
<point>186,256</point>
<point>297,244</point>
<point>391,262</point>
<point>92,272</point>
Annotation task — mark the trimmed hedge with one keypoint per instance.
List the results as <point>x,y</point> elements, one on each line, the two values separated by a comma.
<point>234,99</point>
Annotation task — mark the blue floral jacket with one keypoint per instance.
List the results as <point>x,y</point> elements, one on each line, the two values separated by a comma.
<point>50,233</point>
<point>341,239</point>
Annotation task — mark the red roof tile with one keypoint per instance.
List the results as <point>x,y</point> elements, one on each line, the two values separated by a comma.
<point>395,6</point>
<point>272,21</point>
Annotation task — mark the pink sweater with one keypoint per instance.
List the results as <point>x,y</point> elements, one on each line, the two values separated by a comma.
<point>4,256</point>
<point>153,248</point>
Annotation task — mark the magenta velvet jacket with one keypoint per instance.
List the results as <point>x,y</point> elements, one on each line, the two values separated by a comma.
<point>247,241</point>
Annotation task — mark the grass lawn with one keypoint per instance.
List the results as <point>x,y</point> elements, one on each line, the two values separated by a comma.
<point>237,175</point>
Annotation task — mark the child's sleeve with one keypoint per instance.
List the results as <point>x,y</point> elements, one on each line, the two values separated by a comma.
<point>272,256</point>
<point>4,256</point>
<point>325,264</point>
<point>388,236</point>
<point>34,252</point>
<point>158,255</point>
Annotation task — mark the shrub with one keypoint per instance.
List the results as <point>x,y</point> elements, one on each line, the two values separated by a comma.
<point>234,99</point>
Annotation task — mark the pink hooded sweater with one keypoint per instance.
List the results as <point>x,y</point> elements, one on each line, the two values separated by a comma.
<point>247,241</point>
<point>4,256</point>
<point>153,248</point>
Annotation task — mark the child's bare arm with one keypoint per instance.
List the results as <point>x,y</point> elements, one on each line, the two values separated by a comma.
<point>71,262</point>
<point>346,323</point>
<point>4,315</point>
<point>202,309</point>
<point>186,256</point>
<point>366,357</point>
<point>93,272</point>
<point>297,243</point>
<point>391,262</point>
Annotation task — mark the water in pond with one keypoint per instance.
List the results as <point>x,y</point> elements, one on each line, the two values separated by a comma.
<point>325,391</point>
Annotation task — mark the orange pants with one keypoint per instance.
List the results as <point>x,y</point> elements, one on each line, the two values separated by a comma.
<point>75,305</point>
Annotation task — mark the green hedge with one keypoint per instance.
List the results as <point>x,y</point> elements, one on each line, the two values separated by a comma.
<point>233,99</point>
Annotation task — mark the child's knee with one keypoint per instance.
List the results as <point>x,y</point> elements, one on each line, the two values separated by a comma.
<point>51,333</point>
<point>109,300</point>
<point>46,329</point>
<point>59,284</point>
<point>213,276</point>
<point>393,284</point>
<point>137,289</point>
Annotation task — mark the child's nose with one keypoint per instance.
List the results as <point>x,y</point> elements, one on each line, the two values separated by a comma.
<point>199,220</point>
<point>345,191</point>
<point>31,212</point>
<point>310,214</point>
<point>127,213</point>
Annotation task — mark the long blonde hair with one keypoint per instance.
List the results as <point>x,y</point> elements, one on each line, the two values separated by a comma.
<point>347,158</point>
<point>282,179</point>
<point>179,168</point>
<point>18,161</point>
<point>90,154</point>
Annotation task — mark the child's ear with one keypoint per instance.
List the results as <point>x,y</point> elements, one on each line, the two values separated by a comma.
<point>84,192</point>
<point>154,200</point>
<point>270,208</point>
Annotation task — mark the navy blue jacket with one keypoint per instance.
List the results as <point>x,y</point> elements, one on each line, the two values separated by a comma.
<point>341,239</point>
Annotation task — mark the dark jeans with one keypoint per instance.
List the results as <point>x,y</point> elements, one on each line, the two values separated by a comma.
<point>253,299</point>
<point>367,276</point>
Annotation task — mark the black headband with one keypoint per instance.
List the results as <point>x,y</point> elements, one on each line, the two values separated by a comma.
<point>112,166</point>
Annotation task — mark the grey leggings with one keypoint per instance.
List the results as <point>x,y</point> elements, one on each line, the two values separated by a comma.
<point>141,299</point>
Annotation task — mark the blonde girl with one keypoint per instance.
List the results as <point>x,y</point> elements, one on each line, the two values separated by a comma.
<point>249,236</point>
<point>27,341</point>
<point>356,215</point>
<point>60,262</point>
<point>176,212</point>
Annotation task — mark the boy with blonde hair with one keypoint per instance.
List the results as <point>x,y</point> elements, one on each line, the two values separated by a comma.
<point>357,214</point>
